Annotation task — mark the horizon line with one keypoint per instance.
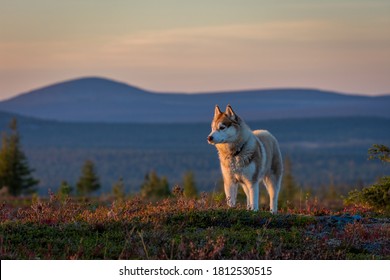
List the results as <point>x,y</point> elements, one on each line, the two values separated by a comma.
<point>221,91</point>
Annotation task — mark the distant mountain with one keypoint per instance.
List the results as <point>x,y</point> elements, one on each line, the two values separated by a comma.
<point>103,100</point>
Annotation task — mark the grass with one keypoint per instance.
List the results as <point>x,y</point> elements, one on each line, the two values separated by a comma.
<point>180,228</point>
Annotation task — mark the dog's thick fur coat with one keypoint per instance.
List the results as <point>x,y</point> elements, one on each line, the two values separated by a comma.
<point>248,158</point>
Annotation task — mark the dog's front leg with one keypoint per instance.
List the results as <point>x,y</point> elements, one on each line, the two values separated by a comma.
<point>230,192</point>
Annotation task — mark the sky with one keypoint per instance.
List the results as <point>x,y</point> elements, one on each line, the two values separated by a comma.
<point>197,46</point>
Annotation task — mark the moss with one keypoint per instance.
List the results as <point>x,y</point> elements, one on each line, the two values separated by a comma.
<point>170,230</point>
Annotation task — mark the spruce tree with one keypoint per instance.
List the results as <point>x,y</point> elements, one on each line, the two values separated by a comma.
<point>118,189</point>
<point>65,189</point>
<point>88,181</point>
<point>15,174</point>
<point>155,188</point>
<point>380,152</point>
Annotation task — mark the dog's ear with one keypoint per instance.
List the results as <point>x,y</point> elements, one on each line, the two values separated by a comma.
<point>217,111</point>
<point>230,113</point>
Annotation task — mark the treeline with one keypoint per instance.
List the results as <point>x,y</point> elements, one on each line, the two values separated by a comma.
<point>153,188</point>
<point>324,151</point>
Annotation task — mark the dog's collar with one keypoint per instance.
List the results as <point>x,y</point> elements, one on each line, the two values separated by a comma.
<point>237,152</point>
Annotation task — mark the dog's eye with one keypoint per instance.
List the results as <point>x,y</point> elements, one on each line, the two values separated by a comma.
<point>222,127</point>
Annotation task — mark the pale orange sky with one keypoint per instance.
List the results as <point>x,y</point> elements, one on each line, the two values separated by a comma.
<point>195,46</point>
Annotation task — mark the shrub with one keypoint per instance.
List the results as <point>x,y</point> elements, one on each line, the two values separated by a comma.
<point>376,196</point>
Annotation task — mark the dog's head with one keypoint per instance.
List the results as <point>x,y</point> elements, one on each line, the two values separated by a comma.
<point>224,127</point>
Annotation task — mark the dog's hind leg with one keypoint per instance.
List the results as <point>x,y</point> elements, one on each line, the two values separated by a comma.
<point>272,183</point>
<point>247,194</point>
<point>253,197</point>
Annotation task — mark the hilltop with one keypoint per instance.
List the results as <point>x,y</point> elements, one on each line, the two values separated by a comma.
<point>104,100</point>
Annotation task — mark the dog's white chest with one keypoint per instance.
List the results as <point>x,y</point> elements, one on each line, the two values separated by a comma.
<point>236,165</point>
<point>240,170</point>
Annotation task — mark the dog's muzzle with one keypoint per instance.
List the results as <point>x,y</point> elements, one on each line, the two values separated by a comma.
<point>210,139</point>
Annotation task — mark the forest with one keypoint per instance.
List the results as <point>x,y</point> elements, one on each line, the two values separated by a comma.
<point>323,152</point>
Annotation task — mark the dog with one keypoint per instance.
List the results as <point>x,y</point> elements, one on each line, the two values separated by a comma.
<point>247,158</point>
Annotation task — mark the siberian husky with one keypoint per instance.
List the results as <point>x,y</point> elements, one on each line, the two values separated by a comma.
<point>247,158</point>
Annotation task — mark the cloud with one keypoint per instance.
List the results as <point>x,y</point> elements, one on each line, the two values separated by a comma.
<point>310,52</point>
<point>205,45</point>
<point>236,45</point>
<point>247,44</point>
